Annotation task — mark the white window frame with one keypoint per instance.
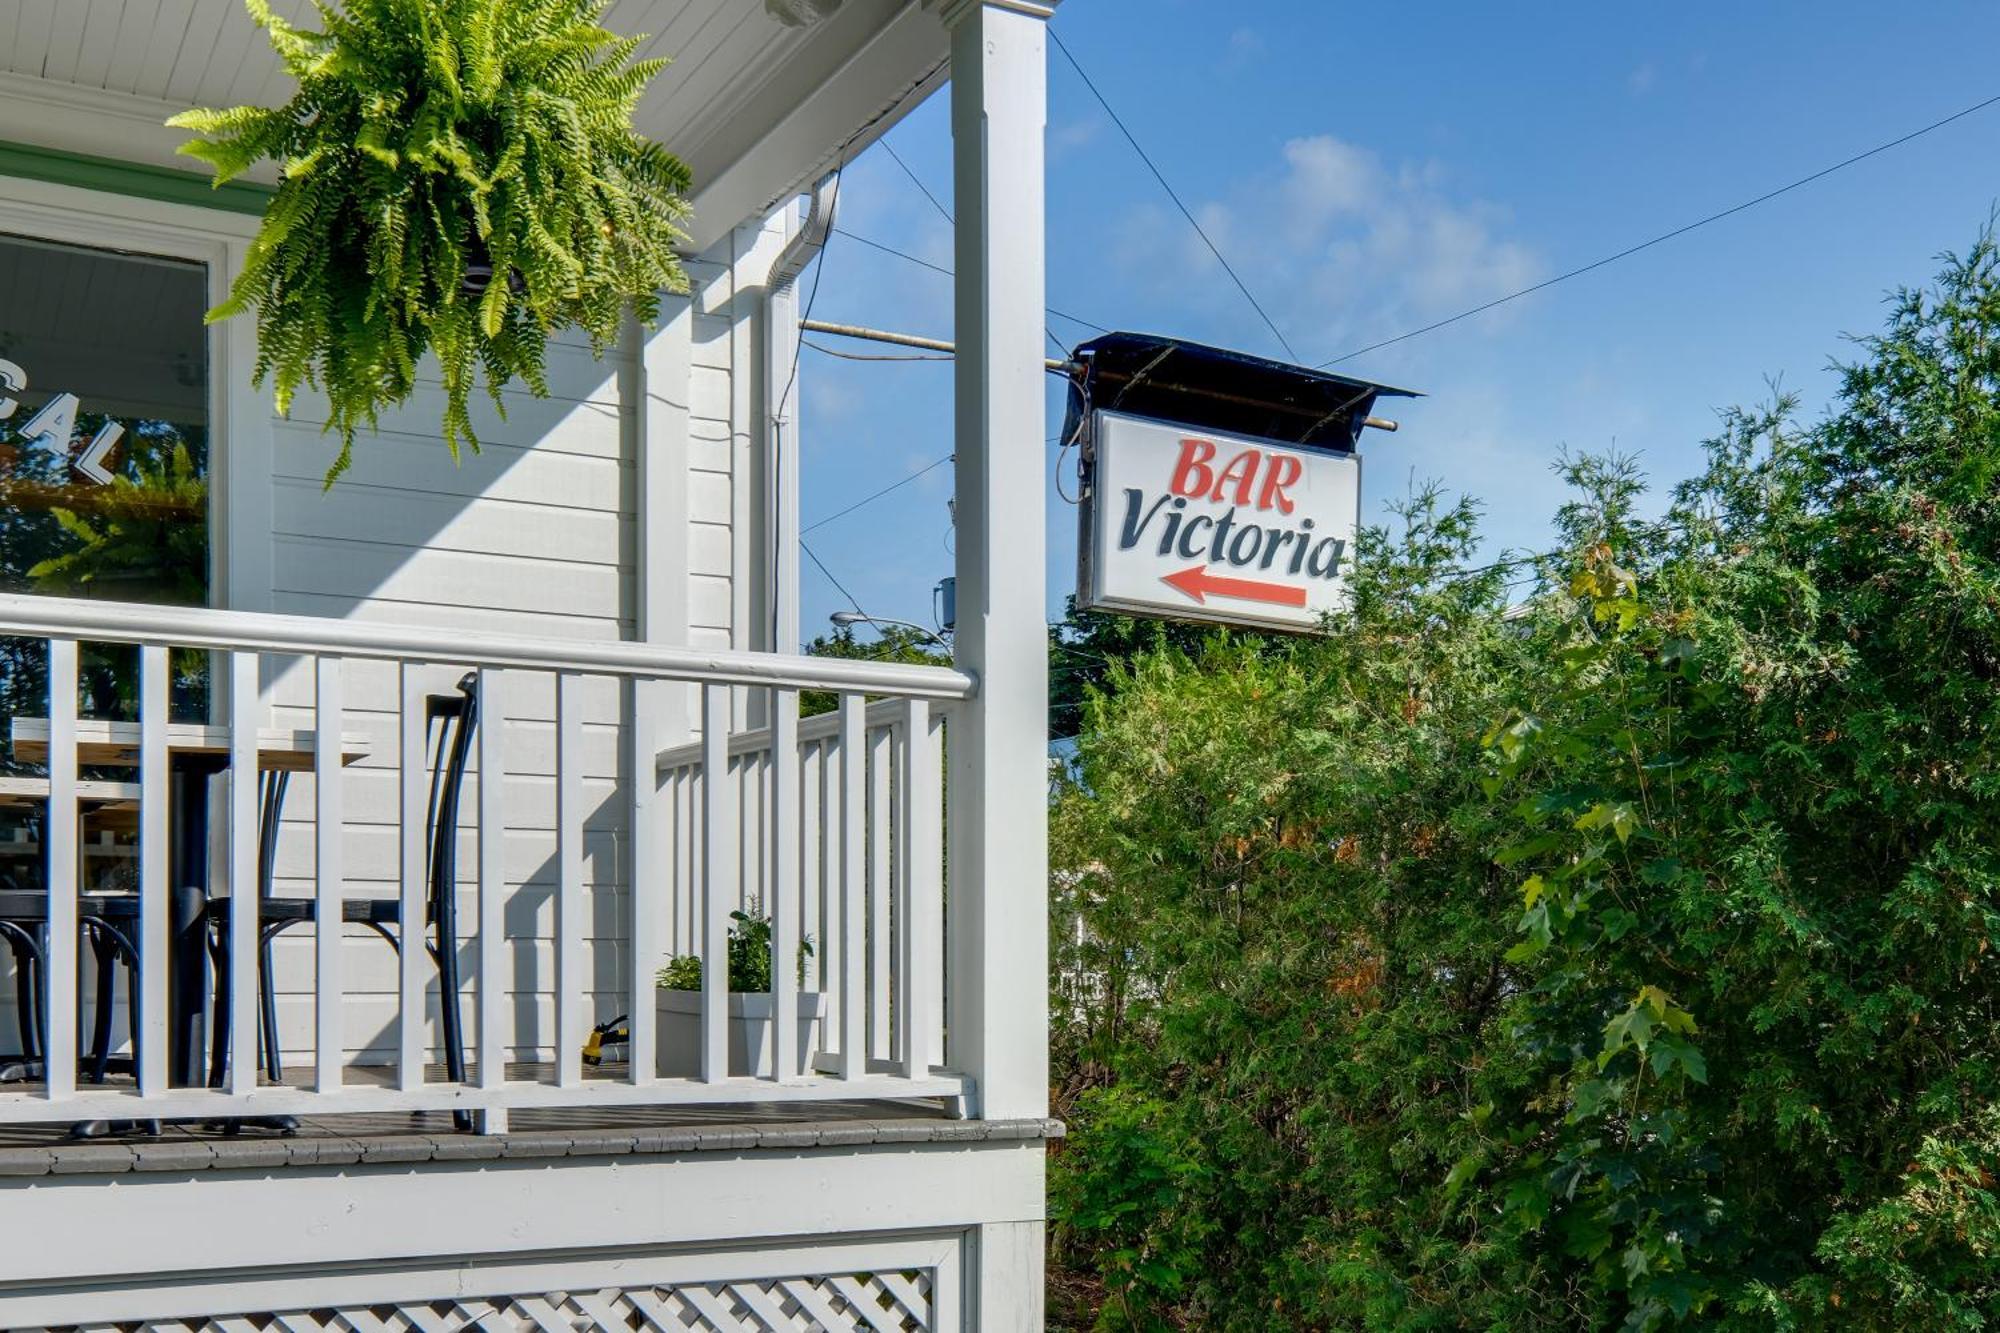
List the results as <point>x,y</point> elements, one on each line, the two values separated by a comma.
<point>239,428</point>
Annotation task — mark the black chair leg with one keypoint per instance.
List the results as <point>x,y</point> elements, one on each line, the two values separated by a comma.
<point>27,990</point>
<point>106,955</point>
<point>267,1011</point>
<point>445,952</point>
<point>218,1015</point>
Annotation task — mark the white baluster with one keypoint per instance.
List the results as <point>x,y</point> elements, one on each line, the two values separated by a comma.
<point>718,851</point>
<point>851,910</point>
<point>783,906</point>
<point>151,1029</point>
<point>882,862</point>
<point>651,878</point>
<point>415,776</point>
<point>60,848</point>
<point>329,913</point>
<point>493,971</point>
<point>244,716</point>
<point>811,858</point>
<point>918,922</point>
<point>572,971</point>
<point>931,913</point>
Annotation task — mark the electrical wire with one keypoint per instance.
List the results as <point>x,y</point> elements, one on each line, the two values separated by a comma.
<point>945,213</point>
<point>1664,236</point>
<point>1172,194</point>
<point>942,270</point>
<point>932,466</point>
<point>820,564</point>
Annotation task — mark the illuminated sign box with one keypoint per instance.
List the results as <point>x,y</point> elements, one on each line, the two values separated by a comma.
<point>1216,486</point>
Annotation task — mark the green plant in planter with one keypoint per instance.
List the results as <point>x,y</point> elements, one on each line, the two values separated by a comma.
<point>460,177</point>
<point>749,958</point>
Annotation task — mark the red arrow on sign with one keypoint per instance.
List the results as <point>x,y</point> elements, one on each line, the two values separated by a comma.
<point>1198,583</point>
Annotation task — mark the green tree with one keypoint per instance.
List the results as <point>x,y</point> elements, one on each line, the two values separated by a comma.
<point>1622,958</point>
<point>896,643</point>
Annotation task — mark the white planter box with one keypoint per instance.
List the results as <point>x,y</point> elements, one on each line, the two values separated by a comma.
<point>677,1040</point>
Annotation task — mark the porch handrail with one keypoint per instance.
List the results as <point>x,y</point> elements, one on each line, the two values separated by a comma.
<point>259,631</point>
<point>823,727</point>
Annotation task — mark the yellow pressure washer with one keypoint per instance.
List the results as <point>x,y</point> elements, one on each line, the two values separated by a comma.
<point>612,1033</point>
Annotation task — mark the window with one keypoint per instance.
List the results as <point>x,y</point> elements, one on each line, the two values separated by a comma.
<point>103,424</point>
<point>104,470</point>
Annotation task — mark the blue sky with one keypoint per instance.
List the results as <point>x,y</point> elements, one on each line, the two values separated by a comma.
<point>1368,168</point>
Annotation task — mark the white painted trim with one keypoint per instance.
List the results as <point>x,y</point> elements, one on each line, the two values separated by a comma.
<point>192,1295</point>
<point>998,834</point>
<point>748,534</point>
<point>951,11</point>
<point>239,419</point>
<point>49,113</point>
<point>227,631</point>
<point>892,69</point>
<point>385,1229</point>
<point>107,1103</point>
<point>1007,1287</point>
<point>659,449</point>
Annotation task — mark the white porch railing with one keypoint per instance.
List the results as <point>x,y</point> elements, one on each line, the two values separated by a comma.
<point>846,825</point>
<point>576,882</point>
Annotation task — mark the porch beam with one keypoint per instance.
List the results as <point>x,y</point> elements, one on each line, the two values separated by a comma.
<point>997,1003</point>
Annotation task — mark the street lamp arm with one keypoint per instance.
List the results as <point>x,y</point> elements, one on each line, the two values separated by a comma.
<point>846,619</point>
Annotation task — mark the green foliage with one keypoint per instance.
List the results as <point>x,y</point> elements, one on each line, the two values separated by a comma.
<point>1275,918</point>
<point>749,958</point>
<point>895,643</point>
<point>149,526</point>
<point>1088,649</point>
<point>429,139</point>
<point>1624,960</point>
<point>1138,1176</point>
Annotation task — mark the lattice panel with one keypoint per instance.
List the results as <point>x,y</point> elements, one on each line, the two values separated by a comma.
<point>844,1303</point>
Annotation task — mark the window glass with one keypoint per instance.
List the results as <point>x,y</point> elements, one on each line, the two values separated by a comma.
<point>104,470</point>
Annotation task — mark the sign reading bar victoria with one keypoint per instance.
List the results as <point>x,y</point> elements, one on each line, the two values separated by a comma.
<point>1199,524</point>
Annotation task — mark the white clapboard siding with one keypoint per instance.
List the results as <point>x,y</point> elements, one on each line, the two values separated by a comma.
<point>535,533</point>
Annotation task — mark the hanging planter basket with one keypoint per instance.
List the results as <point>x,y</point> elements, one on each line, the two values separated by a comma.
<point>433,146</point>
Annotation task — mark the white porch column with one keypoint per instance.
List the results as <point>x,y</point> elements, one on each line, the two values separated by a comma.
<point>997,1006</point>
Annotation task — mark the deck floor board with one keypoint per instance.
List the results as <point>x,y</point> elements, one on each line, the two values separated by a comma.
<point>595,1120</point>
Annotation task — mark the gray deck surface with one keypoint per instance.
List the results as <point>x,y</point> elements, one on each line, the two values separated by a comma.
<point>406,1137</point>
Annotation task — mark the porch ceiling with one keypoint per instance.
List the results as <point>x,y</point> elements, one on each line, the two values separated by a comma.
<point>757,106</point>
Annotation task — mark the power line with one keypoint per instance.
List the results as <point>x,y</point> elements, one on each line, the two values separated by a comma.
<point>892,250</point>
<point>820,564</point>
<point>1664,236</point>
<point>945,272</point>
<point>932,466</point>
<point>923,189</point>
<point>1116,120</point>
<point>945,213</point>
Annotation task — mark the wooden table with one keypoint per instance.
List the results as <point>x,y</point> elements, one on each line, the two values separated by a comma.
<point>116,744</point>
<point>195,753</point>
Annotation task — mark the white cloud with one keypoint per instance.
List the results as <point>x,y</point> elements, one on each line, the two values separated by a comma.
<point>1642,80</point>
<point>1243,49</point>
<point>1072,135</point>
<point>1339,247</point>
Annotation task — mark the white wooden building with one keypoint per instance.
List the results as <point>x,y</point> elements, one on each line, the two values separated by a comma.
<point>615,578</point>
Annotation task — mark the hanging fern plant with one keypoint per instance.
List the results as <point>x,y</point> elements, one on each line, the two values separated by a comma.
<point>459,177</point>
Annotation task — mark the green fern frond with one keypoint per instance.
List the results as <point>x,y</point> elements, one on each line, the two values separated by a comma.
<point>426,135</point>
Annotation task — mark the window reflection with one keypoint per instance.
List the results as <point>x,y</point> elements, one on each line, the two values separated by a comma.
<point>104,472</point>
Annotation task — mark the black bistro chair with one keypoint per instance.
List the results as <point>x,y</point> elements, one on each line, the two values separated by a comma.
<point>108,925</point>
<point>449,723</point>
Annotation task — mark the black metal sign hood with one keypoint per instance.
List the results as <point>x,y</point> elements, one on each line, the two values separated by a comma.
<point>1173,380</point>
